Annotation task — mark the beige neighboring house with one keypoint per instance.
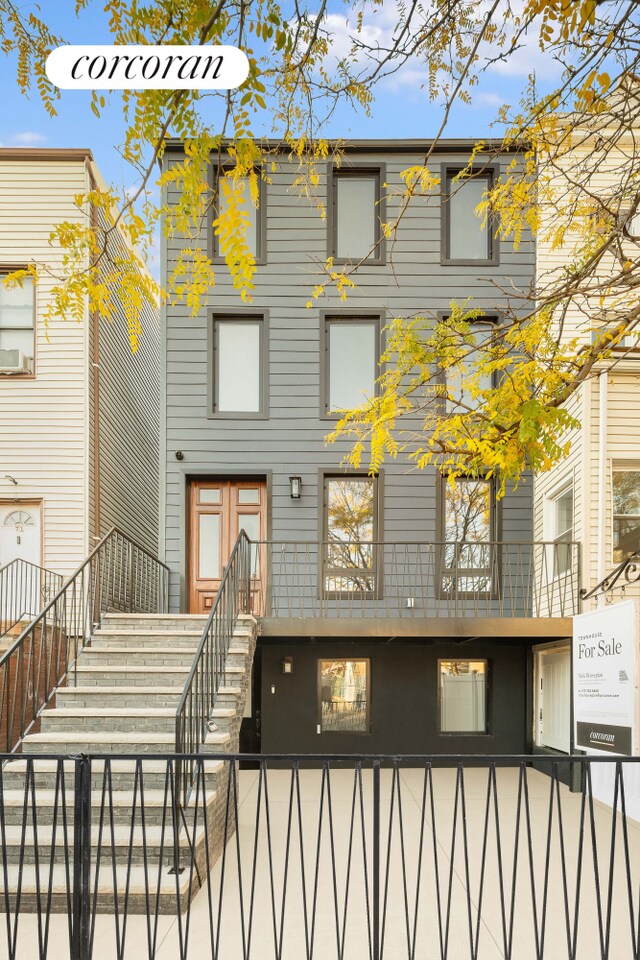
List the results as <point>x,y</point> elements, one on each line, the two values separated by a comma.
<point>592,496</point>
<point>78,410</point>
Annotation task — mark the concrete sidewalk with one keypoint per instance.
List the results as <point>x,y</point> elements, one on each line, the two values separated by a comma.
<point>332,908</point>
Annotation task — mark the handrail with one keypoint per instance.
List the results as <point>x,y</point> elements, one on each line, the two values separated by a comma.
<point>24,589</point>
<point>118,576</point>
<point>209,665</point>
<point>629,569</point>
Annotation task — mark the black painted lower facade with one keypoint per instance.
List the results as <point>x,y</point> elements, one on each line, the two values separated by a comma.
<point>404,713</point>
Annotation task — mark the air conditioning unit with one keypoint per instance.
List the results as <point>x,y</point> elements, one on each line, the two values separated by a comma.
<point>14,361</point>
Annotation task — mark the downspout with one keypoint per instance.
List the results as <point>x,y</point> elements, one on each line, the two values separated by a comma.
<point>602,474</point>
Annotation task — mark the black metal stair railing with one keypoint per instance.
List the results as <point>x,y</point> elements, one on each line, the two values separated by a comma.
<point>25,588</point>
<point>117,576</point>
<point>209,669</point>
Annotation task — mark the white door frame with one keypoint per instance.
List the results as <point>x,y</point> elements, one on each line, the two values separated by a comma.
<point>32,503</point>
<point>539,650</point>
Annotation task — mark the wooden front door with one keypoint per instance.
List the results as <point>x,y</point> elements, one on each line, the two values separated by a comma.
<point>219,510</point>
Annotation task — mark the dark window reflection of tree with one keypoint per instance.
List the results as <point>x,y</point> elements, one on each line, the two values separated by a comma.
<point>467,531</point>
<point>350,530</point>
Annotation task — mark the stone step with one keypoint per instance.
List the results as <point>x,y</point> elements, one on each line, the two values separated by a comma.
<point>87,674</point>
<point>51,804</point>
<point>155,844</point>
<point>141,883</point>
<point>108,743</point>
<point>137,656</point>
<point>155,621</point>
<point>120,774</point>
<point>118,696</point>
<point>100,719</point>
<point>123,719</point>
<point>148,638</point>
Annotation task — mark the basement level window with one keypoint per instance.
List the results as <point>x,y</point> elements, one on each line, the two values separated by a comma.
<point>343,696</point>
<point>463,696</point>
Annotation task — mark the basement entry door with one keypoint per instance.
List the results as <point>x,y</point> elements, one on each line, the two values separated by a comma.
<point>218,511</point>
<point>554,698</point>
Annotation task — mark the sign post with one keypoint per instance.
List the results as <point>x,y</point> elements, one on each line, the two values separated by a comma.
<point>605,679</point>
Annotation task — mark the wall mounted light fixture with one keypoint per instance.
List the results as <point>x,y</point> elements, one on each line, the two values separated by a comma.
<point>295,484</point>
<point>287,665</point>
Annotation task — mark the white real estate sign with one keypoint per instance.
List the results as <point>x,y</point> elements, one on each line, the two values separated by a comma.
<point>605,658</point>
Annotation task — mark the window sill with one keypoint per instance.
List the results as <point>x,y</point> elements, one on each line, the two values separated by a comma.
<point>213,415</point>
<point>446,262</point>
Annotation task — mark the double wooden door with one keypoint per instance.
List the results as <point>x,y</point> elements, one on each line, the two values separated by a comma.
<point>219,510</point>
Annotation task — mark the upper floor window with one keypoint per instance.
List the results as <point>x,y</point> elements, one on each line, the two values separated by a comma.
<point>350,524</point>
<point>235,193</point>
<point>355,224</point>
<point>561,529</point>
<point>351,346</point>
<point>17,328</point>
<point>626,511</point>
<point>467,236</point>
<point>460,398</point>
<point>239,380</point>
<point>467,530</point>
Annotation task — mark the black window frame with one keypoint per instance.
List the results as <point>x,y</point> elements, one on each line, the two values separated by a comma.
<point>327,317</point>
<point>6,269</point>
<point>448,171</point>
<point>493,571</point>
<point>376,570</point>
<point>355,733</point>
<point>218,172</point>
<point>359,170</point>
<point>487,732</point>
<point>234,316</point>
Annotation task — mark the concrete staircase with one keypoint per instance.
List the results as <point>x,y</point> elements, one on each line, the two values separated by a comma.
<point>128,682</point>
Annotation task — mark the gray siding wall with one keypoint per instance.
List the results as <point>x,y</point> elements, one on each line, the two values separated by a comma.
<point>291,440</point>
<point>128,441</point>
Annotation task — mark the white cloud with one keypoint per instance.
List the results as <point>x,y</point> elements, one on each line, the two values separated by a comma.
<point>377,31</point>
<point>27,138</point>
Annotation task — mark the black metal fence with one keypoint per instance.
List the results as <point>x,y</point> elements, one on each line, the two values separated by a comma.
<point>25,589</point>
<point>298,858</point>
<point>413,579</point>
<point>117,576</point>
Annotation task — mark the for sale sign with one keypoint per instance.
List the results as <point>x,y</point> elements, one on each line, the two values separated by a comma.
<point>605,643</point>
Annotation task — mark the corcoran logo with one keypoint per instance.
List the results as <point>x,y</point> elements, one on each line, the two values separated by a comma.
<point>135,67</point>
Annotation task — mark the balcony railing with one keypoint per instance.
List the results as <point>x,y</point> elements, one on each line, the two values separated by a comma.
<point>25,589</point>
<point>415,580</point>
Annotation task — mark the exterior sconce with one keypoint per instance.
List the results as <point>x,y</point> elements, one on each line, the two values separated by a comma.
<point>296,487</point>
<point>287,665</point>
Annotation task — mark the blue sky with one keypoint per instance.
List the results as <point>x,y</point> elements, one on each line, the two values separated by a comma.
<point>400,110</point>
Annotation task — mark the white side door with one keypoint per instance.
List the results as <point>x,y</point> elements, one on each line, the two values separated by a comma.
<point>20,532</point>
<point>554,699</point>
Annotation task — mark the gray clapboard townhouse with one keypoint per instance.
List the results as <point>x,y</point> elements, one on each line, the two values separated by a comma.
<point>396,613</point>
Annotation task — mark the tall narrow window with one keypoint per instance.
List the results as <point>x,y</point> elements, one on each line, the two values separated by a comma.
<point>17,328</point>
<point>351,361</point>
<point>468,235</point>
<point>238,368</point>
<point>463,696</point>
<point>343,696</point>
<point>235,193</point>
<point>626,511</point>
<point>467,526</point>
<point>350,521</point>
<point>561,524</point>
<point>460,398</point>
<point>356,215</point>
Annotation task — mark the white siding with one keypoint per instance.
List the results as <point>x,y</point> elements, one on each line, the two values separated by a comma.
<point>42,420</point>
